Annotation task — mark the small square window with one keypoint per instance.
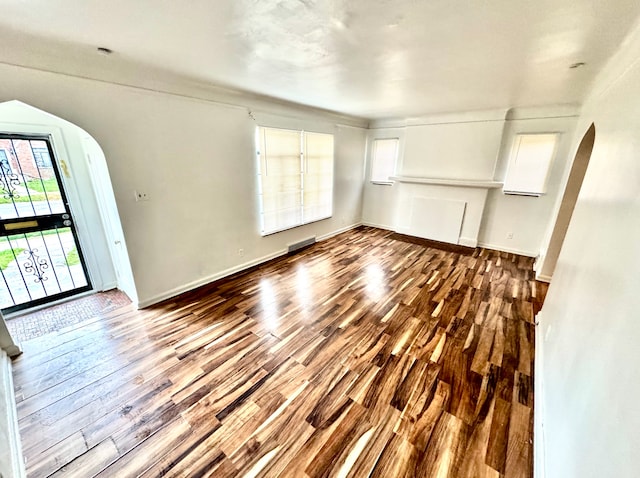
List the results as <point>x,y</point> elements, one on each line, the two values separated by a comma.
<point>383,160</point>
<point>529,164</point>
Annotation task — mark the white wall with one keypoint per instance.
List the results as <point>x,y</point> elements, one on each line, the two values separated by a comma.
<point>11,460</point>
<point>444,200</point>
<point>473,146</point>
<point>457,150</point>
<point>589,369</point>
<point>526,217</point>
<point>380,200</point>
<point>195,160</point>
<point>108,211</point>
<point>460,146</point>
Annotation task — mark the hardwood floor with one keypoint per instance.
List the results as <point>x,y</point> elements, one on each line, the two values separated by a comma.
<point>363,355</point>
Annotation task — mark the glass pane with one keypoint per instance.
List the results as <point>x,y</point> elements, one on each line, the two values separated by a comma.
<point>38,265</point>
<point>28,185</point>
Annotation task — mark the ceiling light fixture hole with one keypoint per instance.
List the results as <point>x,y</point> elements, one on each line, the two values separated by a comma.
<point>104,51</point>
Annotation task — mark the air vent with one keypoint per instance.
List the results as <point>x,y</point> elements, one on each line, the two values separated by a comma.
<point>291,248</point>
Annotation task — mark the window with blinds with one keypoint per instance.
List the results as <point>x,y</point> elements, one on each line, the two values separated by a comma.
<point>295,176</point>
<point>529,164</point>
<point>383,160</point>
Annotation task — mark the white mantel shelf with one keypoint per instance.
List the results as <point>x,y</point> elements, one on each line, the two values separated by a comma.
<point>464,183</point>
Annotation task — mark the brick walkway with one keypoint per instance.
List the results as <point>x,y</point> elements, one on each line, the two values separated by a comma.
<point>52,319</point>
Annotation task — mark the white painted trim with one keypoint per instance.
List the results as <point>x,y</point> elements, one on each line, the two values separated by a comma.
<point>232,270</point>
<point>379,226</point>
<point>13,350</point>
<point>507,249</point>
<point>208,279</point>
<point>446,118</point>
<point>468,241</point>
<point>463,183</point>
<point>11,460</point>
<point>543,278</point>
<point>538,407</point>
<point>109,286</point>
<point>166,84</point>
<point>338,231</point>
<point>567,110</point>
<point>552,111</point>
<point>463,241</point>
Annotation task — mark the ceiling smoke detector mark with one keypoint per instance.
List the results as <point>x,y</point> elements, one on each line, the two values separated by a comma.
<point>577,65</point>
<point>104,51</point>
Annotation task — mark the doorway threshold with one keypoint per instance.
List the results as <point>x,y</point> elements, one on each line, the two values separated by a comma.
<point>36,322</point>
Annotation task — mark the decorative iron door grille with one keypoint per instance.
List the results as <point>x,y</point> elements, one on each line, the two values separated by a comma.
<point>40,256</point>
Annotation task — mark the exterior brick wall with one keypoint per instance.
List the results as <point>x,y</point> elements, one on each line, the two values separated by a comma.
<point>27,166</point>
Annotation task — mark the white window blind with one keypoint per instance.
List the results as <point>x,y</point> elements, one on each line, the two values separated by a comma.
<point>295,171</point>
<point>529,164</point>
<point>318,176</point>
<point>383,159</point>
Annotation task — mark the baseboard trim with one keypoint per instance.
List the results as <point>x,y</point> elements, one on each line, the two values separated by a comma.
<point>109,286</point>
<point>538,407</point>
<point>208,279</point>
<point>338,231</point>
<point>228,272</point>
<point>11,460</point>
<point>468,241</point>
<point>443,246</point>
<point>507,249</point>
<point>378,226</point>
<point>543,278</point>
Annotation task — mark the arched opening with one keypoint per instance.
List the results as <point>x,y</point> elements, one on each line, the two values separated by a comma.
<point>69,185</point>
<point>569,199</point>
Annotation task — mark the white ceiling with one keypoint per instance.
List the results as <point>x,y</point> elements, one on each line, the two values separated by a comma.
<point>368,58</point>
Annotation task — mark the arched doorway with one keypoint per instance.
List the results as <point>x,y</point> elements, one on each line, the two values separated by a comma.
<point>86,251</point>
<point>569,199</point>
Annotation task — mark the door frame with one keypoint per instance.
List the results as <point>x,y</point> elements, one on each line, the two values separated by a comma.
<point>567,201</point>
<point>67,177</point>
<point>56,166</point>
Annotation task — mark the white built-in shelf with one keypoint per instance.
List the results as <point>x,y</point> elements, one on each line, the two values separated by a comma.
<point>464,183</point>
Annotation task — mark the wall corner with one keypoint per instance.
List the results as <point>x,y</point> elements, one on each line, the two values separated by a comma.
<point>11,459</point>
<point>538,407</point>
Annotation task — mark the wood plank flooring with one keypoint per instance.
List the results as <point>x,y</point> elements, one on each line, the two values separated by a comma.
<point>364,355</point>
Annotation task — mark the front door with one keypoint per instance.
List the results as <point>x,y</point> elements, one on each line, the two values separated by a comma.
<point>40,257</point>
